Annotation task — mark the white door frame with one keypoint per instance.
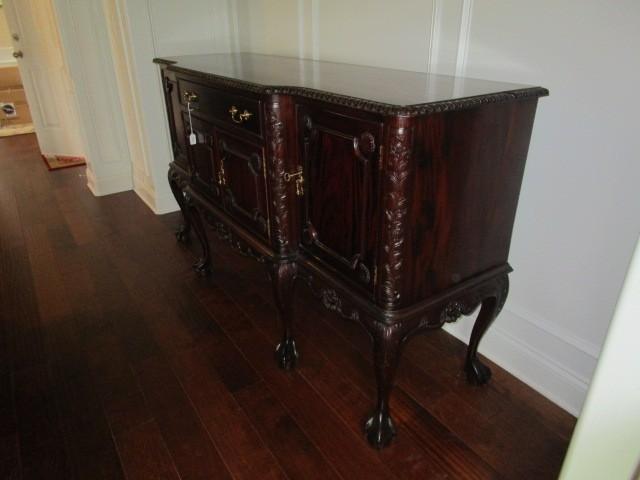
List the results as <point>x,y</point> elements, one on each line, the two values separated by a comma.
<point>45,76</point>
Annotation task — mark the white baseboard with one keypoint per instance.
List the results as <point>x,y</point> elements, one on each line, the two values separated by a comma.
<point>165,204</point>
<point>145,192</point>
<point>107,185</point>
<point>550,361</point>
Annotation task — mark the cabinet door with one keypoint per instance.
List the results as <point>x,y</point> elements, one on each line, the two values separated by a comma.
<point>242,179</point>
<point>202,158</point>
<point>340,160</point>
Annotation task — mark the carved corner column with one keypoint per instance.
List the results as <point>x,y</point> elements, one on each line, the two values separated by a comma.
<point>388,338</point>
<point>283,212</point>
<point>396,169</point>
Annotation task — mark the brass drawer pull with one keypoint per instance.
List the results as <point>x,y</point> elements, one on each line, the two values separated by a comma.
<point>239,117</point>
<point>190,97</point>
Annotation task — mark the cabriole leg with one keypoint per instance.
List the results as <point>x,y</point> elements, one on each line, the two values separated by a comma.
<point>387,344</point>
<point>283,277</point>
<point>182,232</point>
<point>203,265</point>
<point>477,372</point>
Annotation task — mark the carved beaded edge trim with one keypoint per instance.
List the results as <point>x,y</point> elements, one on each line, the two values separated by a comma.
<point>362,104</point>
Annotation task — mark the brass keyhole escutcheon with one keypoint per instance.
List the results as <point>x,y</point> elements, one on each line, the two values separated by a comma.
<point>299,179</point>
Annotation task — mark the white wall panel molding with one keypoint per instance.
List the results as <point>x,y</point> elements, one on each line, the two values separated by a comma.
<point>315,29</point>
<point>85,39</point>
<point>435,33</point>
<point>463,37</point>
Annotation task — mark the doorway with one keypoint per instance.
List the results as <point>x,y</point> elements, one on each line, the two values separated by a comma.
<point>15,117</point>
<point>32,41</point>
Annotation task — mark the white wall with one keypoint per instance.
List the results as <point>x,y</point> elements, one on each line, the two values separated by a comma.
<point>579,213</point>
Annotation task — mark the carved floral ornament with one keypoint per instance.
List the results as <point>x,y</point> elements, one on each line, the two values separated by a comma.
<point>279,201</point>
<point>395,212</point>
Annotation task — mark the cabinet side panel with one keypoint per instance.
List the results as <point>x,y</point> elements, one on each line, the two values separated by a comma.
<point>469,169</point>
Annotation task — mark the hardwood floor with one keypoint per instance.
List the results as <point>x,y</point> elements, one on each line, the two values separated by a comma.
<point>117,361</point>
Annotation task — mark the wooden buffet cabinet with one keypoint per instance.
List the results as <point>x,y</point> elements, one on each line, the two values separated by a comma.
<point>390,194</point>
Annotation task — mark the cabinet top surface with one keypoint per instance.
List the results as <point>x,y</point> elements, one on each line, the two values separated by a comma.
<point>379,89</point>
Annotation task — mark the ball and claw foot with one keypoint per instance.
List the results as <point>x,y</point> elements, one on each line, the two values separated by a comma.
<point>182,234</point>
<point>202,268</point>
<point>379,430</point>
<point>286,354</point>
<point>477,372</point>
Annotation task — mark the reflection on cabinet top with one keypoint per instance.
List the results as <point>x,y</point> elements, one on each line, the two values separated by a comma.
<point>381,90</point>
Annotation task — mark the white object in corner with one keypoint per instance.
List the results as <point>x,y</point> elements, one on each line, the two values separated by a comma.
<point>606,442</point>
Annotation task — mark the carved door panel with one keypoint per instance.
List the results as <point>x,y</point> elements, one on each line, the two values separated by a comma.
<point>340,167</point>
<point>202,156</point>
<point>176,121</point>
<point>242,180</point>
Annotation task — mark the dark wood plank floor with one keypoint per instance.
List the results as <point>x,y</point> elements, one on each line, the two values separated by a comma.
<point>116,361</point>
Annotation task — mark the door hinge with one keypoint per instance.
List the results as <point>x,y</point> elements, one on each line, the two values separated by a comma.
<point>299,179</point>
<point>380,155</point>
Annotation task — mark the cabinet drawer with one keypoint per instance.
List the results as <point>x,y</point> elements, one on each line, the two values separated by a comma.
<point>234,110</point>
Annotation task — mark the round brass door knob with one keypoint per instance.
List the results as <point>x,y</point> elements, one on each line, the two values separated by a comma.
<point>18,54</point>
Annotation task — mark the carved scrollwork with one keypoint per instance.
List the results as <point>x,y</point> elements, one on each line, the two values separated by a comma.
<point>226,235</point>
<point>255,164</point>
<point>465,304</point>
<point>364,145</point>
<point>395,212</point>
<point>451,313</point>
<point>279,201</point>
<point>364,273</point>
<point>330,299</point>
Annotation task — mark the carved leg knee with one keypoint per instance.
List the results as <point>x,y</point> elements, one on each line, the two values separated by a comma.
<point>283,277</point>
<point>182,231</point>
<point>477,372</point>
<point>379,428</point>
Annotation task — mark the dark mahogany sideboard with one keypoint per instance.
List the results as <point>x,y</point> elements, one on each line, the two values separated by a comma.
<point>390,194</point>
